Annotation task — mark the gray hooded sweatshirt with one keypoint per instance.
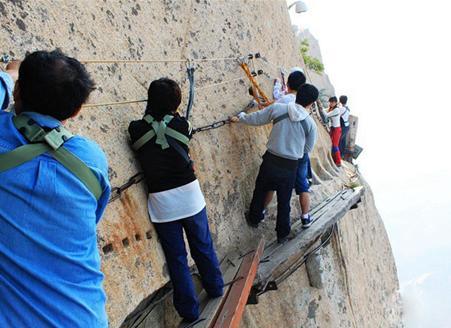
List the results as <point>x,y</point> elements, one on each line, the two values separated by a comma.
<point>288,138</point>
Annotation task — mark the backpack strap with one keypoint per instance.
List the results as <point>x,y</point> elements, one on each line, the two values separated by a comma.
<point>280,118</point>
<point>284,117</point>
<point>52,142</point>
<point>343,122</point>
<point>21,155</point>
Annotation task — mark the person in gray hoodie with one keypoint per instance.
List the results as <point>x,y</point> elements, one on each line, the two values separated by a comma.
<point>294,132</point>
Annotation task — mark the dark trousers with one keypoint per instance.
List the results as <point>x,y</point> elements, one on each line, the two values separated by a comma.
<point>201,246</point>
<point>344,135</point>
<point>274,175</point>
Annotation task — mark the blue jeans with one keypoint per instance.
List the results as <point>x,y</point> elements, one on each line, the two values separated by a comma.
<point>274,177</point>
<point>303,175</point>
<point>201,246</point>
<point>344,134</point>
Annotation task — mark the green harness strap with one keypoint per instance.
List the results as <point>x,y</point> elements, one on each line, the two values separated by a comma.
<point>51,142</point>
<point>160,130</point>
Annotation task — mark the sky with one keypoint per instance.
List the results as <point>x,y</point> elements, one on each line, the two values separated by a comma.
<point>393,60</point>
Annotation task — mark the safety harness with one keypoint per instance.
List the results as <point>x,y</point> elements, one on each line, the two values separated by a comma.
<point>286,116</point>
<point>52,142</point>
<point>342,120</point>
<point>304,127</point>
<point>165,136</point>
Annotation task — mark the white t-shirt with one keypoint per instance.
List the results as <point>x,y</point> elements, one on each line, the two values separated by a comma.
<point>175,204</point>
<point>334,117</point>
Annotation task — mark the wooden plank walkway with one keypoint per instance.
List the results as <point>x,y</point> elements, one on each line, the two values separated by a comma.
<point>211,307</point>
<point>254,271</point>
<point>279,258</point>
<point>233,308</point>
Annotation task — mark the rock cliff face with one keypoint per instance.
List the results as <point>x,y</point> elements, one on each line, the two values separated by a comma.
<point>361,286</point>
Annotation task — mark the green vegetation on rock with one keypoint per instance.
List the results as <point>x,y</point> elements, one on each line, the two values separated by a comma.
<point>312,63</point>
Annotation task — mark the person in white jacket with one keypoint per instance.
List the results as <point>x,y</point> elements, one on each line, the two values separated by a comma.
<point>334,114</point>
<point>295,80</point>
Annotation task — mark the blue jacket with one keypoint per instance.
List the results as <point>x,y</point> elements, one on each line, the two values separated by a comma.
<point>49,262</point>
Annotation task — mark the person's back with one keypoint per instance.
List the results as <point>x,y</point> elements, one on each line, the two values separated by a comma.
<point>345,125</point>
<point>175,203</point>
<point>293,135</point>
<point>164,168</point>
<point>49,262</point>
<point>288,137</point>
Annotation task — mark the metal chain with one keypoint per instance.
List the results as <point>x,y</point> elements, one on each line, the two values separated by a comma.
<point>212,126</point>
<point>116,192</point>
<point>221,123</point>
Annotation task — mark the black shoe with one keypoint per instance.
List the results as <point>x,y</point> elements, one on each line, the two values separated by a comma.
<point>187,321</point>
<point>306,222</point>
<point>215,293</point>
<point>249,222</point>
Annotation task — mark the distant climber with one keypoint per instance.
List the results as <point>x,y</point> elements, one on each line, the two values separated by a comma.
<point>334,114</point>
<point>302,183</point>
<point>294,81</point>
<point>293,132</point>
<point>54,189</point>
<point>175,201</point>
<point>344,123</point>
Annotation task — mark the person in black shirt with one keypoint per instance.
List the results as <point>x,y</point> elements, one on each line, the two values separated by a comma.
<point>175,202</point>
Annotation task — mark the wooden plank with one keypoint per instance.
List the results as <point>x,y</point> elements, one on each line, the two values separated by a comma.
<point>212,308</point>
<point>331,210</point>
<point>315,212</point>
<point>233,308</point>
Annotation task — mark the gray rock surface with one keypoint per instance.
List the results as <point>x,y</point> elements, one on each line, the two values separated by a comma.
<point>360,286</point>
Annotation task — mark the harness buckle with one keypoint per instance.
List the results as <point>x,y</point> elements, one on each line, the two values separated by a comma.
<point>33,134</point>
<point>56,138</point>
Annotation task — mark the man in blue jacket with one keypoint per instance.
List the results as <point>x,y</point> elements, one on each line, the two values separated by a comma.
<point>294,133</point>
<point>53,191</point>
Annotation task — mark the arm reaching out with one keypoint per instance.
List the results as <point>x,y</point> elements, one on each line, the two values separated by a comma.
<point>277,91</point>
<point>261,117</point>
<point>332,113</point>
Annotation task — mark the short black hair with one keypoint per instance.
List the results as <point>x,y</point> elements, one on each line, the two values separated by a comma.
<point>295,80</point>
<point>333,99</point>
<point>53,84</point>
<point>307,95</point>
<point>344,100</point>
<point>164,97</point>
